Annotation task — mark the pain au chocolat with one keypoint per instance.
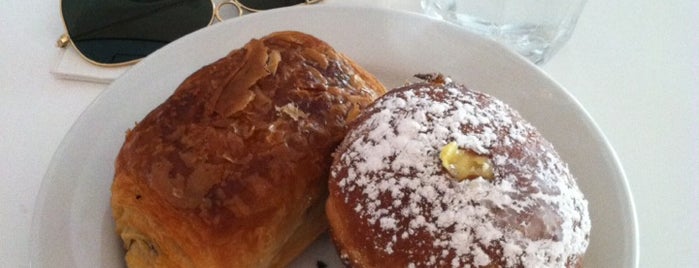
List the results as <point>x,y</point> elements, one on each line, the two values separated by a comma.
<point>436,175</point>
<point>231,170</point>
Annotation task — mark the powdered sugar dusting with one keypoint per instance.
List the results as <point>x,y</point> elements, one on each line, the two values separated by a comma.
<point>531,214</point>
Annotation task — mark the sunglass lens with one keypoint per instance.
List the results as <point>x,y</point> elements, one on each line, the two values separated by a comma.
<point>118,31</point>
<point>269,4</point>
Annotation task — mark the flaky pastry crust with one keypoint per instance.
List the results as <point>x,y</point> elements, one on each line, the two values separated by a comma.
<point>231,170</point>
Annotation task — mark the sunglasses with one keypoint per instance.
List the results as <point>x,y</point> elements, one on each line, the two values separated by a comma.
<point>121,32</point>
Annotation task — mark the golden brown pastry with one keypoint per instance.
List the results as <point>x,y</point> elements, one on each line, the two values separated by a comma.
<point>231,170</point>
<point>436,175</point>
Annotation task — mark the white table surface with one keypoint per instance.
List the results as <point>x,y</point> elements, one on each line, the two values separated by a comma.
<point>634,65</point>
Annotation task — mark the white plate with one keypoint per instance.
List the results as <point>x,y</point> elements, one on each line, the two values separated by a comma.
<point>72,225</point>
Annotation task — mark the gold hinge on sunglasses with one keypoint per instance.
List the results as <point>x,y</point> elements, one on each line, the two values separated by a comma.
<point>63,40</point>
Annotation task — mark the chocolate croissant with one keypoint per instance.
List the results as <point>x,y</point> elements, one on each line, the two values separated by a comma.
<point>231,170</point>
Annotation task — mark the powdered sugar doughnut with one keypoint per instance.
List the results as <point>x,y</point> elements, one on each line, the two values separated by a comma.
<point>395,201</point>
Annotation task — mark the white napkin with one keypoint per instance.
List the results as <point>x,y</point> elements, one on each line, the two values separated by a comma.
<point>72,66</point>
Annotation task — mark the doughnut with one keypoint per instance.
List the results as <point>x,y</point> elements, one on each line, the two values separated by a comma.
<point>433,174</point>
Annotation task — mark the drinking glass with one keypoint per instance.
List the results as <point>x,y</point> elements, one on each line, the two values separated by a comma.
<point>537,29</point>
